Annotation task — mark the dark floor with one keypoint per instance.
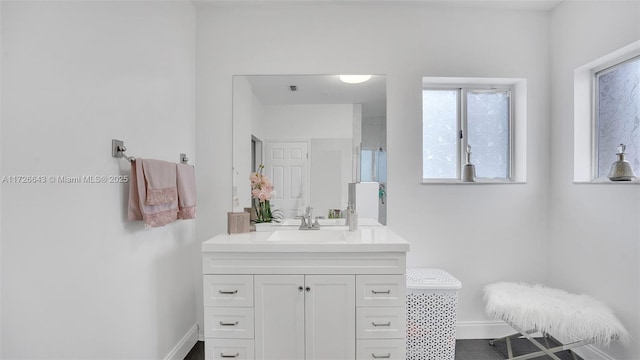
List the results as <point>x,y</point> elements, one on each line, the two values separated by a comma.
<point>197,352</point>
<point>465,350</point>
<point>481,350</point>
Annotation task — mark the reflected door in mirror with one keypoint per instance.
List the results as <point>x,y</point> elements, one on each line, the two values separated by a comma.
<point>286,163</point>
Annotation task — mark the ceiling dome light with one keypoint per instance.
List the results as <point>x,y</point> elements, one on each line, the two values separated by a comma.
<point>354,79</point>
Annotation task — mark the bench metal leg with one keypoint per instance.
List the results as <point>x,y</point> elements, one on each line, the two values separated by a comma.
<point>508,338</point>
<point>516,335</point>
<point>543,350</point>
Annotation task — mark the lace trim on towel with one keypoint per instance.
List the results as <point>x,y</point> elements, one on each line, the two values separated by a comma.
<point>187,213</point>
<point>161,218</point>
<point>161,196</point>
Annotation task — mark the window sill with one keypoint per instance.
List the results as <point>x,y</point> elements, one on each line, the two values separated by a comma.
<point>477,182</point>
<point>607,182</point>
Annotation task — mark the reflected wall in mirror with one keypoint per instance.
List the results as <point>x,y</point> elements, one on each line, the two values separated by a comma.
<point>314,134</point>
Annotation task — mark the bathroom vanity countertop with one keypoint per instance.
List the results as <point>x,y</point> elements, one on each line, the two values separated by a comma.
<point>365,239</point>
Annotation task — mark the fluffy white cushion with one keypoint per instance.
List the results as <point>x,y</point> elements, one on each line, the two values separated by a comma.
<point>553,311</point>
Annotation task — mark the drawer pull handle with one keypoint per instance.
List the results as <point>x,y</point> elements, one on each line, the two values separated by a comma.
<point>388,292</point>
<point>225,292</point>
<point>383,324</point>
<point>223,355</point>
<point>228,323</point>
<point>388,356</point>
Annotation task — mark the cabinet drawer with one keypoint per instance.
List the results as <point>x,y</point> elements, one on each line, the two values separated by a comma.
<point>228,323</point>
<point>229,349</point>
<point>391,349</point>
<point>228,290</point>
<point>381,323</point>
<point>381,290</point>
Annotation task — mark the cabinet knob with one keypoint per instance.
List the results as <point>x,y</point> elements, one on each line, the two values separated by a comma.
<point>308,289</point>
<point>300,288</point>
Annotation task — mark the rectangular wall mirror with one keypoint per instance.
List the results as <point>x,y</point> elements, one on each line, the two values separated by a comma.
<point>314,134</point>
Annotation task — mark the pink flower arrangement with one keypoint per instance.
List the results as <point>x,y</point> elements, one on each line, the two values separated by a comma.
<point>261,186</point>
<point>261,192</point>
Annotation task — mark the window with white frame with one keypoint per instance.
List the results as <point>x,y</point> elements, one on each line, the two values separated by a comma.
<point>476,116</point>
<point>617,115</point>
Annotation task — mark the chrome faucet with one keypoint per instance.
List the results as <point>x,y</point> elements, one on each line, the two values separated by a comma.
<point>306,223</point>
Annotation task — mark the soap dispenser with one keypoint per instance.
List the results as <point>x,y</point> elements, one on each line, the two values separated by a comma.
<point>352,219</point>
<point>621,169</point>
<point>469,170</point>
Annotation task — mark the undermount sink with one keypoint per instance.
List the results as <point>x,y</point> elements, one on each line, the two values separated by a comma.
<point>307,236</point>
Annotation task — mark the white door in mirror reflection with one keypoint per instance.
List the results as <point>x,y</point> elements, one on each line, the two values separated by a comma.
<point>286,164</point>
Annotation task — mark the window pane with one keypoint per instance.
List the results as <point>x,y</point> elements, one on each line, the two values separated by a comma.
<point>618,115</point>
<point>488,133</point>
<point>439,134</point>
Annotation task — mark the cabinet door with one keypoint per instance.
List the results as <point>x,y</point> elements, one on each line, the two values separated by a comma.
<point>330,317</point>
<point>279,317</point>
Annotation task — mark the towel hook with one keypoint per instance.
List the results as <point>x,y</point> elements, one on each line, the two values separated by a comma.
<point>118,150</point>
<point>184,159</point>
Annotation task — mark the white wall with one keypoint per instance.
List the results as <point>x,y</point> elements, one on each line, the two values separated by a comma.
<point>317,121</point>
<point>595,243</point>
<point>374,133</point>
<point>78,280</point>
<point>479,233</point>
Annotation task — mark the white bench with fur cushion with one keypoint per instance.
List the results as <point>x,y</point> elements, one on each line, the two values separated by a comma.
<point>537,308</point>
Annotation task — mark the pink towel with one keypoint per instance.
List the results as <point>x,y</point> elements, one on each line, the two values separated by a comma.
<point>186,191</point>
<point>161,183</point>
<point>134,213</point>
<point>145,179</point>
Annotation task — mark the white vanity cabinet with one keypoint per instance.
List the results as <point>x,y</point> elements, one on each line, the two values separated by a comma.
<point>305,317</point>
<point>304,300</point>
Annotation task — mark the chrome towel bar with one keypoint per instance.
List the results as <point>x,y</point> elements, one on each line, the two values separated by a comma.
<point>118,151</point>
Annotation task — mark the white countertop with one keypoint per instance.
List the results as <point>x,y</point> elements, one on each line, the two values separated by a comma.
<point>327,239</point>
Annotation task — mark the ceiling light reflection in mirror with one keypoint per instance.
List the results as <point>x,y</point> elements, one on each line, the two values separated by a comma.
<point>354,79</point>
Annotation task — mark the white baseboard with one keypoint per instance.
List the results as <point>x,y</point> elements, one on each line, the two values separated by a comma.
<point>184,345</point>
<point>482,329</point>
<point>591,352</point>
<point>200,333</point>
